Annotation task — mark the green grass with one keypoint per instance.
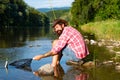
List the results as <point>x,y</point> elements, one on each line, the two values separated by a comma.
<point>109,29</point>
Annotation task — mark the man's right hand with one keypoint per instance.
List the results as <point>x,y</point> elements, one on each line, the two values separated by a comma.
<point>38,57</point>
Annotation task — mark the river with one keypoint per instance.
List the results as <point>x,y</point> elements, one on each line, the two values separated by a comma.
<point>13,49</point>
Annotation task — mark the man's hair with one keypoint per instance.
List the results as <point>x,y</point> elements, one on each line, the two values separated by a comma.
<point>59,21</point>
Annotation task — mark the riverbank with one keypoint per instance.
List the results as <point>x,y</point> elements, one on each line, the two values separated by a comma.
<point>104,34</point>
<point>107,30</point>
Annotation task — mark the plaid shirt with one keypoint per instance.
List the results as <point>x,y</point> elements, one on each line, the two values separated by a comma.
<point>71,37</point>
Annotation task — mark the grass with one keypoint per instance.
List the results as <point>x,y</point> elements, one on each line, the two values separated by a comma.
<point>108,30</point>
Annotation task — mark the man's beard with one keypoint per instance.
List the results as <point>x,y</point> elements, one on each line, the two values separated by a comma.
<point>59,32</point>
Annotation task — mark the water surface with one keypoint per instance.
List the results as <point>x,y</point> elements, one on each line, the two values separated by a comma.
<point>15,49</point>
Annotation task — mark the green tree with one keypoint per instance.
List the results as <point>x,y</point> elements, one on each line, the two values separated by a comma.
<point>18,13</point>
<point>106,9</point>
<point>84,11</point>
<point>17,17</point>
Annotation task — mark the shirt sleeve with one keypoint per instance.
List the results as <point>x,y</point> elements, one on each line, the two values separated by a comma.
<point>62,41</point>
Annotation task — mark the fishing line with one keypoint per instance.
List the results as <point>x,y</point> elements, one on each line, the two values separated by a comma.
<point>52,9</point>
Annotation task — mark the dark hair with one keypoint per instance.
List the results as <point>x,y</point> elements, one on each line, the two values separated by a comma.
<point>60,21</point>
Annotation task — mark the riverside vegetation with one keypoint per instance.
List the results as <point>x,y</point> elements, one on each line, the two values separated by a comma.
<point>108,29</point>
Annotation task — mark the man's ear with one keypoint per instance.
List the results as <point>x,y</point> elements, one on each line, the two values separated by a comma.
<point>63,25</point>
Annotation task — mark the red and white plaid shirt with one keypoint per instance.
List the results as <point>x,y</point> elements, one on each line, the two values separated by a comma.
<point>71,37</point>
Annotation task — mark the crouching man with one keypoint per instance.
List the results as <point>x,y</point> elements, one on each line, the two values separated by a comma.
<point>68,36</point>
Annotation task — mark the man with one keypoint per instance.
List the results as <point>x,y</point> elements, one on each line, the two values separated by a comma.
<point>68,36</point>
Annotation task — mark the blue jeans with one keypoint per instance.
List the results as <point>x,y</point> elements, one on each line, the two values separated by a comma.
<point>68,52</point>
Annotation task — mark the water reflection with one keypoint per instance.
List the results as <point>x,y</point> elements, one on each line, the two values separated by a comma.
<point>57,74</point>
<point>26,44</point>
<point>75,74</point>
<point>82,76</point>
<point>16,37</point>
<point>17,53</point>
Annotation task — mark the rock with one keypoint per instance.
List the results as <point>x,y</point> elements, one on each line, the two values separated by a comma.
<point>87,41</point>
<point>75,63</point>
<point>47,78</point>
<point>101,43</point>
<point>93,42</point>
<point>117,67</point>
<point>117,52</point>
<point>46,69</point>
<point>110,47</point>
<point>38,45</point>
<point>89,64</point>
<point>108,63</point>
<point>30,45</point>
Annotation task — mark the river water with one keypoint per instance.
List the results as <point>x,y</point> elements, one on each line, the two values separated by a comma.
<point>14,49</point>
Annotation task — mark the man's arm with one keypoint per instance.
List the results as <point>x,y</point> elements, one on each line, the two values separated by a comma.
<point>38,57</point>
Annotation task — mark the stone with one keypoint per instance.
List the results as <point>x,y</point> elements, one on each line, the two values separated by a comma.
<point>46,69</point>
<point>89,64</point>
<point>117,67</point>
<point>78,63</point>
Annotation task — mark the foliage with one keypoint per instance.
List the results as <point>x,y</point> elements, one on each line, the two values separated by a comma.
<point>84,11</point>
<point>109,29</point>
<point>18,20</point>
<point>18,13</point>
<point>58,14</point>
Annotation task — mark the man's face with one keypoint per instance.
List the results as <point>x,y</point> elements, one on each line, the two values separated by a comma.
<point>59,28</point>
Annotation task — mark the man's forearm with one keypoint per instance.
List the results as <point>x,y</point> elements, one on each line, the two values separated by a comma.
<point>48,54</point>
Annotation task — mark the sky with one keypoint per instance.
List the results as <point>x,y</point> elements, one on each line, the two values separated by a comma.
<point>48,3</point>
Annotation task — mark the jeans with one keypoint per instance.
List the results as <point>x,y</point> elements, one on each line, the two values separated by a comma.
<point>68,52</point>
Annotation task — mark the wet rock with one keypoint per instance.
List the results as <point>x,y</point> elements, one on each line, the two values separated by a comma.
<point>117,67</point>
<point>87,41</point>
<point>108,63</point>
<point>75,63</point>
<point>48,78</point>
<point>89,64</point>
<point>117,52</point>
<point>46,69</point>
<point>38,45</point>
<point>93,42</point>
<point>117,63</point>
<point>30,45</point>
<point>110,47</point>
<point>101,42</point>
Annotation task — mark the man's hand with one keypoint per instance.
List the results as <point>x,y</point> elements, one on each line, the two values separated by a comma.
<point>38,57</point>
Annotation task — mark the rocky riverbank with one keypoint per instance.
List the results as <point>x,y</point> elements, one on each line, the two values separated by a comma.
<point>112,45</point>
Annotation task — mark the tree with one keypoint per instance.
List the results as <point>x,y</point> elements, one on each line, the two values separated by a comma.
<point>106,9</point>
<point>17,17</point>
<point>84,11</point>
<point>18,13</point>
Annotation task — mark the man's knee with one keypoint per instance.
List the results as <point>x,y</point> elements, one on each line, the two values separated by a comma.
<point>54,42</point>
